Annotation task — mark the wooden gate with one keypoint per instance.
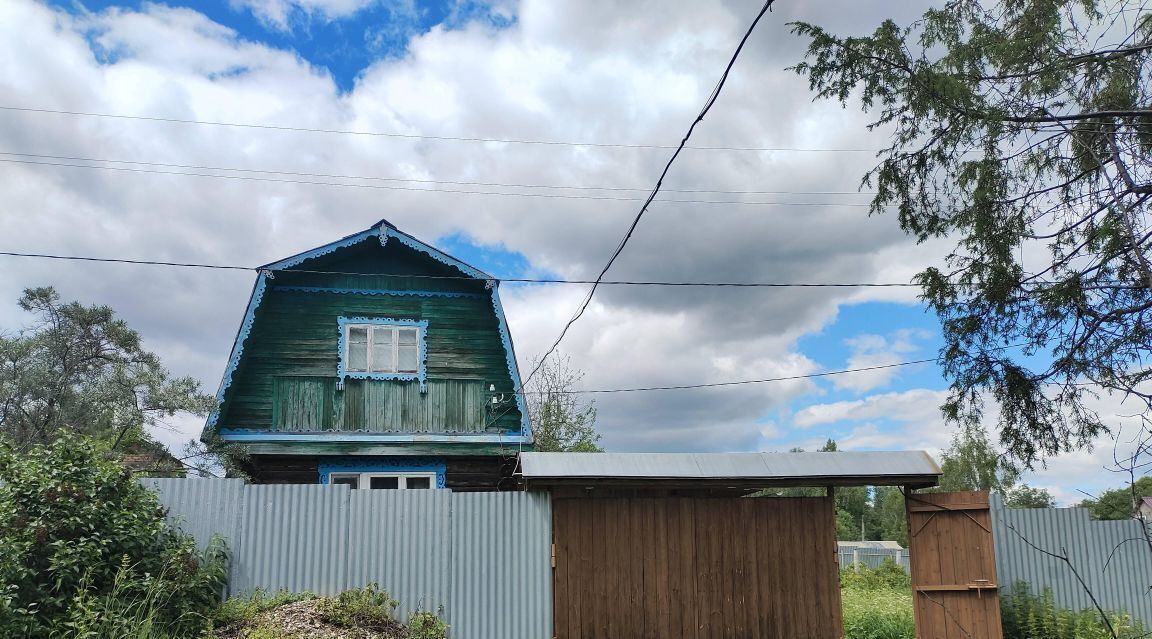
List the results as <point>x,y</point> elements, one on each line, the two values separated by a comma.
<point>696,568</point>
<point>953,566</point>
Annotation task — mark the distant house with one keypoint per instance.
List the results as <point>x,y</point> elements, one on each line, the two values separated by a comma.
<point>1145,510</point>
<point>375,361</point>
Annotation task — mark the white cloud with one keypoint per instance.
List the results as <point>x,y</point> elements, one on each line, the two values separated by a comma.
<point>280,13</point>
<point>869,350</point>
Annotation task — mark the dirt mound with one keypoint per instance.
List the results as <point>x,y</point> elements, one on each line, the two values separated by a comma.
<point>302,620</point>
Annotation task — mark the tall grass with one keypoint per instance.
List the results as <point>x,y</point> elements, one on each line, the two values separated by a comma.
<point>877,602</point>
<point>125,612</point>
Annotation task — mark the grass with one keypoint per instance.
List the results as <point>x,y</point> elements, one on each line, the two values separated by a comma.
<point>878,613</point>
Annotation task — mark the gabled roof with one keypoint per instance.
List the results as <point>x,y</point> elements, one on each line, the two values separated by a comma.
<point>385,231</point>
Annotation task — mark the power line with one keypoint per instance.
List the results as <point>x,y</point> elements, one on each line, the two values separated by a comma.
<point>659,183</point>
<point>518,280</point>
<point>415,136</point>
<point>732,383</point>
<point>424,181</point>
<point>389,187</point>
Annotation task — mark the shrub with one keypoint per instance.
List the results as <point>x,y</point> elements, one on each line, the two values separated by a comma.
<point>241,609</point>
<point>367,607</point>
<point>889,575</point>
<point>1027,615</point>
<point>79,536</point>
<point>426,625</point>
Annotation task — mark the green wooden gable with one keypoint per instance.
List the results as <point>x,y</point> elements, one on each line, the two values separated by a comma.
<point>286,388</point>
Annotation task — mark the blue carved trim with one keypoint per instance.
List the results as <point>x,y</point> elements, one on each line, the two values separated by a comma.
<point>513,367</point>
<point>238,346</point>
<point>385,465</point>
<point>367,291</point>
<point>344,437</point>
<point>355,238</point>
<point>421,373</point>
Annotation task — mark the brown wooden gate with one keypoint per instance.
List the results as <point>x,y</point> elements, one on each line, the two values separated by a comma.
<point>696,568</point>
<point>953,566</point>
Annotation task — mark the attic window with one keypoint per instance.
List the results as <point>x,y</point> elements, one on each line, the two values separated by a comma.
<point>373,348</point>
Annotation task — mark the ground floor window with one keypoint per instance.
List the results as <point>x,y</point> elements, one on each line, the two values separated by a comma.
<point>385,481</point>
<point>383,473</point>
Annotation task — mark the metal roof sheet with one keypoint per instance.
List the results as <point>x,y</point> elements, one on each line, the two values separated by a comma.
<point>745,466</point>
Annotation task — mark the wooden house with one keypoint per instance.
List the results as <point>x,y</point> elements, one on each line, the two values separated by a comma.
<point>376,361</point>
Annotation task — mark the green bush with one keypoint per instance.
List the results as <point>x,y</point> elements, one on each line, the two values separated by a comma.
<point>1027,615</point>
<point>889,575</point>
<point>79,537</point>
<point>367,607</point>
<point>426,625</point>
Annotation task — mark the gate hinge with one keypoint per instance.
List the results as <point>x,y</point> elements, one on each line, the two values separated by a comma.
<point>553,555</point>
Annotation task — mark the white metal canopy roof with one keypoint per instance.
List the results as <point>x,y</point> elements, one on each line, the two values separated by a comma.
<point>816,469</point>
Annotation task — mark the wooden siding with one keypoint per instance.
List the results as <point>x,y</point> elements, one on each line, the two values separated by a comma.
<point>304,404</point>
<point>667,568</point>
<point>295,334</point>
<point>461,474</point>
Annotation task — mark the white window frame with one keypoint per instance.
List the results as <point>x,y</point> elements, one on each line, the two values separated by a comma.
<point>363,479</point>
<point>372,329</point>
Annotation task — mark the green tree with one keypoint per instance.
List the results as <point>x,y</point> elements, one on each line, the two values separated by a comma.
<point>888,519</point>
<point>77,529</point>
<point>1025,496</point>
<point>972,463</point>
<point>561,420</point>
<point>81,369</point>
<point>1017,128</point>
<point>1118,503</point>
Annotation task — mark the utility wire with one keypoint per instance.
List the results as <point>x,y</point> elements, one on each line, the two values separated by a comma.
<point>423,181</point>
<point>414,136</point>
<point>659,182</point>
<point>524,280</point>
<point>389,187</point>
<point>732,383</point>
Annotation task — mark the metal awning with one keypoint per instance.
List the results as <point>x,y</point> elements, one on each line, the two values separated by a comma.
<point>895,468</point>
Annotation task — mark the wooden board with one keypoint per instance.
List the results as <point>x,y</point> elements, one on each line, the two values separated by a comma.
<point>953,566</point>
<point>695,567</point>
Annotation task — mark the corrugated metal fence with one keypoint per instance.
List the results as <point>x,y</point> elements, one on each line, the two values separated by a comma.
<point>483,558</point>
<point>1111,556</point>
<point>873,557</point>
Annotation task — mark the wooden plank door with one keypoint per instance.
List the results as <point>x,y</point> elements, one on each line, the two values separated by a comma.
<point>696,568</point>
<point>953,566</point>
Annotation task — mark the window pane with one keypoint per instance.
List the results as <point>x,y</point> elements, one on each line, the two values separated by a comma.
<point>382,351</point>
<point>406,358</point>
<point>345,480</point>
<point>384,483</point>
<point>407,335</point>
<point>418,482</point>
<point>357,349</point>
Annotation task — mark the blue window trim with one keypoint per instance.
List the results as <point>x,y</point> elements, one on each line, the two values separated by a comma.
<point>384,465</point>
<point>421,373</point>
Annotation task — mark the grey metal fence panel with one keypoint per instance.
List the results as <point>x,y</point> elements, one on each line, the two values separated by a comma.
<point>501,566</point>
<point>1109,555</point>
<point>293,536</point>
<point>873,557</point>
<point>201,507</point>
<point>483,558</point>
<point>400,540</point>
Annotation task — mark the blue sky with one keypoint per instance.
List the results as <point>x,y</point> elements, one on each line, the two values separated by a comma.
<point>344,46</point>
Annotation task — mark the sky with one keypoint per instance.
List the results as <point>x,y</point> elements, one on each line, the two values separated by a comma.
<point>622,79</point>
